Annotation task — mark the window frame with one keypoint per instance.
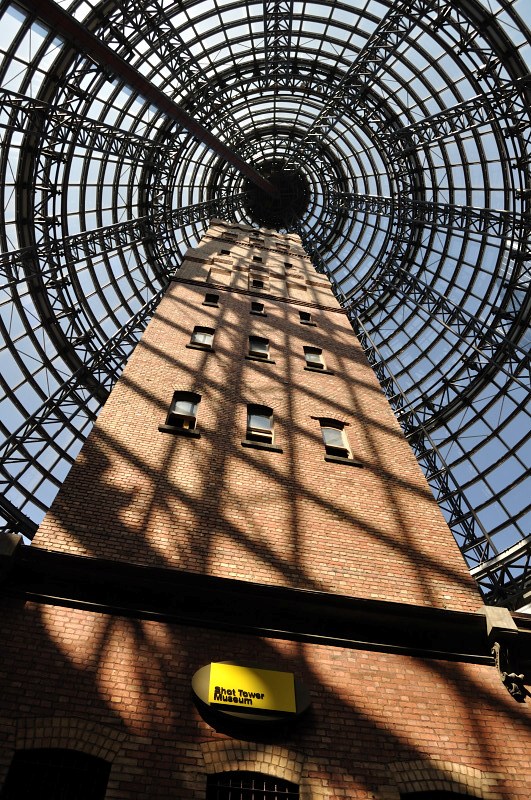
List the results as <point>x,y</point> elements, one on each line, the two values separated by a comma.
<point>257,436</point>
<point>342,453</point>
<point>182,423</point>
<point>208,301</point>
<point>205,331</point>
<point>257,353</point>
<point>317,363</point>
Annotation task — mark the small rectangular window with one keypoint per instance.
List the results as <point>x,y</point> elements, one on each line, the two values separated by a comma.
<point>335,438</point>
<point>257,308</point>
<point>183,410</point>
<point>258,347</point>
<point>202,337</point>
<point>257,258</point>
<point>288,264</point>
<point>211,300</point>
<point>224,252</point>
<point>305,318</point>
<point>257,283</point>
<point>260,424</point>
<point>314,357</point>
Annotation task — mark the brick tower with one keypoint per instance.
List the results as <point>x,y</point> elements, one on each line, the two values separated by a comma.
<point>247,496</point>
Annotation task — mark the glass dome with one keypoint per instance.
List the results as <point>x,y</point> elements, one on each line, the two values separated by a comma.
<point>398,136</point>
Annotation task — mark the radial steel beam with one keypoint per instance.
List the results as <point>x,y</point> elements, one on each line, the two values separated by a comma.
<point>278,16</point>
<point>507,102</point>
<point>158,30</point>
<point>61,127</point>
<point>485,343</point>
<point>70,401</point>
<point>371,59</point>
<point>17,265</point>
<point>80,38</point>
<point>441,215</point>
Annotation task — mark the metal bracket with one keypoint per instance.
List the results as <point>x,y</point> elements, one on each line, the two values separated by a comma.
<point>513,682</point>
<point>501,629</point>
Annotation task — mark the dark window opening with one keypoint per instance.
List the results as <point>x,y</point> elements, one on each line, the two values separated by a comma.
<point>258,347</point>
<point>202,337</point>
<point>211,300</point>
<point>305,318</point>
<point>183,410</point>
<point>257,258</point>
<point>224,252</point>
<point>314,357</point>
<point>257,283</point>
<point>260,424</point>
<point>257,308</point>
<point>288,264</point>
<point>56,774</point>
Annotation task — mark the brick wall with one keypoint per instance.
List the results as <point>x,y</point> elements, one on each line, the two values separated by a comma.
<point>210,505</point>
<point>379,723</point>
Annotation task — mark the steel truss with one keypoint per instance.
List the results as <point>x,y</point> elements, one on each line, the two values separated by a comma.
<point>508,97</point>
<point>486,347</point>
<point>445,215</point>
<point>503,578</point>
<point>45,259</point>
<point>277,38</point>
<point>69,402</point>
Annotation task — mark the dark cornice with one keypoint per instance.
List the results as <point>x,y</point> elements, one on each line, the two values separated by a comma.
<point>204,601</point>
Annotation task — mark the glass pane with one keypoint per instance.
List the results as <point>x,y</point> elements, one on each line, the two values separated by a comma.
<point>200,337</point>
<point>333,437</point>
<point>313,358</point>
<point>259,421</point>
<point>185,407</point>
<point>259,345</point>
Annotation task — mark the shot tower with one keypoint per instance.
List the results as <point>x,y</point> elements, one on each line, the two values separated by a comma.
<point>247,526</point>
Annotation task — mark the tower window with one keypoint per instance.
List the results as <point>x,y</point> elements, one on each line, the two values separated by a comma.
<point>224,252</point>
<point>258,347</point>
<point>257,283</point>
<point>249,786</point>
<point>334,438</point>
<point>314,357</point>
<point>257,258</point>
<point>183,410</point>
<point>211,300</point>
<point>202,337</point>
<point>258,308</point>
<point>260,424</point>
<point>288,264</point>
<point>305,318</point>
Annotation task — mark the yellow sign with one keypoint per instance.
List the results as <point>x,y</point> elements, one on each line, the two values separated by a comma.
<point>247,688</point>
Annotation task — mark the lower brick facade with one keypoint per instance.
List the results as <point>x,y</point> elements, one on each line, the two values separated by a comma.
<point>345,571</point>
<point>380,724</point>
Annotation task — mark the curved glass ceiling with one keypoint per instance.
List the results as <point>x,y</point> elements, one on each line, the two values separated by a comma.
<point>408,126</point>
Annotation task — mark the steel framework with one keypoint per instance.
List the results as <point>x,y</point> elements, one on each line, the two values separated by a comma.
<point>127,124</point>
